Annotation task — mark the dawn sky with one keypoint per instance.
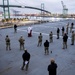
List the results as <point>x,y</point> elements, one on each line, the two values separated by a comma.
<point>54,6</point>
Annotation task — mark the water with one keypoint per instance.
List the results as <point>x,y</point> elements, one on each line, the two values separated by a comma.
<point>41,18</point>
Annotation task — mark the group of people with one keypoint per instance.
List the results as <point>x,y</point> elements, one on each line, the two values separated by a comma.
<point>26,55</point>
<point>64,37</point>
<point>21,39</point>
<point>8,43</point>
<point>29,30</point>
<point>65,34</point>
<point>52,67</point>
<point>46,43</point>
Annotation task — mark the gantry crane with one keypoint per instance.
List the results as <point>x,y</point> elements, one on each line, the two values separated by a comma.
<point>65,10</point>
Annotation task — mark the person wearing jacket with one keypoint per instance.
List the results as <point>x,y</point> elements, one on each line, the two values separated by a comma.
<point>52,67</point>
<point>65,37</point>
<point>40,39</point>
<point>7,39</point>
<point>58,31</point>
<point>63,29</point>
<point>26,58</point>
<point>15,28</point>
<point>72,38</point>
<point>51,37</point>
<point>46,47</point>
<point>22,42</point>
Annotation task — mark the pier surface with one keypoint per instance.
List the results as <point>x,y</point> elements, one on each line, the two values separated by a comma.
<point>11,61</point>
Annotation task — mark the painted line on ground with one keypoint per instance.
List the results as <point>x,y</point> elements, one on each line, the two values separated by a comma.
<point>42,33</point>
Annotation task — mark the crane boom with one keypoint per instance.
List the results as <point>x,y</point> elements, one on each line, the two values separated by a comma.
<point>62,3</point>
<point>64,6</point>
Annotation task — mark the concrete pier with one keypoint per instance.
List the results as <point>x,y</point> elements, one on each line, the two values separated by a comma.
<point>11,61</point>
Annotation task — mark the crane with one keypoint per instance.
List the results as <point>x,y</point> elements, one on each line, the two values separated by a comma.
<point>65,10</point>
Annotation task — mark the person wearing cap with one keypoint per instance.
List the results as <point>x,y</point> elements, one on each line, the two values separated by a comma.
<point>21,41</point>
<point>52,67</point>
<point>26,58</point>
<point>7,39</point>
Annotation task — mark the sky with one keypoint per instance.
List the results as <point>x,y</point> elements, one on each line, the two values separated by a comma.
<point>53,6</point>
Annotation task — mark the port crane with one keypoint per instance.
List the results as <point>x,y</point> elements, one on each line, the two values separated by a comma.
<point>65,9</point>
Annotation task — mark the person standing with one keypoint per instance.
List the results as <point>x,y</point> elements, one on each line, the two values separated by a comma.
<point>72,38</point>
<point>15,28</point>
<point>26,58</point>
<point>58,31</point>
<point>63,29</point>
<point>7,39</point>
<point>29,31</point>
<point>71,27</point>
<point>40,40</point>
<point>51,37</point>
<point>46,47</point>
<point>52,67</point>
<point>21,41</point>
<point>65,37</point>
<point>67,28</point>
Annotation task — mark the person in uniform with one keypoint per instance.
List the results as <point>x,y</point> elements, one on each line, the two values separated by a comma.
<point>21,41</point>
<point>7,39</point>
<point>46,47</point>
<point>52,67</point>
<point>65,37</point>
<point>26,59</point>
<point>72,38</point>
<point>58,31</point>
<point>40,40</point>
<point>67,27</point>
<point>51,37</point>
